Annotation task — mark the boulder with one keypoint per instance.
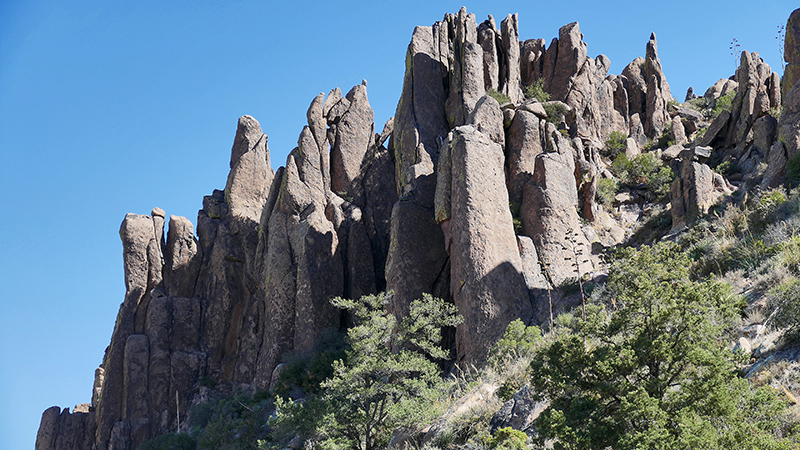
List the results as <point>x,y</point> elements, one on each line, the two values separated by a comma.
<point>694,191</point>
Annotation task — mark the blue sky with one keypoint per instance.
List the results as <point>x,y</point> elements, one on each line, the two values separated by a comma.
<point>110,107</point>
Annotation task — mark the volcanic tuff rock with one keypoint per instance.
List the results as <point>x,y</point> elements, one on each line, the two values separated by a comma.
<point>483,204</point>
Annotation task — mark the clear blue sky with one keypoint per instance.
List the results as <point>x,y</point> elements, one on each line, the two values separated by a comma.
<point>111,107</point>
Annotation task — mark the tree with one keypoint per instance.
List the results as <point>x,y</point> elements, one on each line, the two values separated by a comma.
<point>383,382</point>
<point>647,368</point>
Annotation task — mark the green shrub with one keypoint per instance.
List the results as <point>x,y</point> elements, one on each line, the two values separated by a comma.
<point>784,300</point>
<point>606,191</point>
<point>388,379</point>
<point>555,111</point>
<point>234,423</point>
<point>614,145</point>
<point>169,441</point>
<point>499,96</point>
<point>644,169</point>
<point>793,170</point>
<point>536,90</point>
<point>724,103</point>
<point>647,368</point>
<point>307,372</point>
<point>727,168</point>
<point>508,439</point>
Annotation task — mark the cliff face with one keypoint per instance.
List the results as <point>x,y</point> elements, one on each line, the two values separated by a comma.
<point>421,207</point>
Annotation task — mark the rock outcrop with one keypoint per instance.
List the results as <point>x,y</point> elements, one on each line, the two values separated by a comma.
<point>485,203</point>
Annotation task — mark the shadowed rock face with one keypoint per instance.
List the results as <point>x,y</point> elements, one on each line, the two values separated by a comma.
<point>431,205</point>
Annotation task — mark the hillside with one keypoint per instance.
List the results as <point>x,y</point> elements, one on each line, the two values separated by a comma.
<point>510,174</point>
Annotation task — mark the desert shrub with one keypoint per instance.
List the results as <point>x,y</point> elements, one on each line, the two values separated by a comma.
<point>784,300</point>
<point>536,90</point>
<point>724,103</point>
<point>516,218</point>
<point>793,170</point>
<point>727,168</point>
<point>614,145</point>
<point>644,169</point>
<point>508,439</point>
<point>499,96</point>
<point>169,441</point>
<point>606,191</point>
<point>555,111</point>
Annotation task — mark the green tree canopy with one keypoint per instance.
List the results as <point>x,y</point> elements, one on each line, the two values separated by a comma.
<point>648,369</point>
<point>384,380</point>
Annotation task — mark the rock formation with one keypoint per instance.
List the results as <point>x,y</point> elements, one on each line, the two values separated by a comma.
<point>484,204</point>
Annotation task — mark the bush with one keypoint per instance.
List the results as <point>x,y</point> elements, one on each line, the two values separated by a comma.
<point>615,144</point>
<point>169,441</point>
<point>307,372</point>
<point>509,439</point>
<point>784,300</point>
<point>499,96</point>
<point>724,103</point>
<point>555,111</point>
<point>606,191</point>
<point>536,90</point>
<point>793,170</point>
<point>644,169</point>
<point>647,368</point>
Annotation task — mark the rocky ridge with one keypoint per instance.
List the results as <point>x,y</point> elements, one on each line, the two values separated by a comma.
<point>427,205</point>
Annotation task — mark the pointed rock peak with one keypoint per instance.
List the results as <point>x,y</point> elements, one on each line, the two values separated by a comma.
<point>653,36</point>
<point>248,133</point>
<point>333,97</point>
<point>364,82</point>
<point>490,21</point>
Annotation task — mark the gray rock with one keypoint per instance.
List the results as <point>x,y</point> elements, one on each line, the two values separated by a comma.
<point>485,267</point>
<point>789,122</point>
<point>791,52</point>
<point>693,192</point>
<point>524,144</point>
<point>571,55</point>
<point>487,38</point>
<point>531,62</point>
<point>776,166</point>
<point>518,413</point>
<point>510,70</point>
<point>716,129</point>
<point>551,220</point>
<point>355,133</point>
<point>488,119</point>
<point>183,258</point>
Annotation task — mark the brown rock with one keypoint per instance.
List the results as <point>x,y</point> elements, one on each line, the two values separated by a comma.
<point>488,119</point>
<point>485,267</point>
<point>354,135</point>
<point>550,218</point>
<point>791,52</point>
<point>524,144</point>
<point>487,38</point>
<point>183,258</point>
